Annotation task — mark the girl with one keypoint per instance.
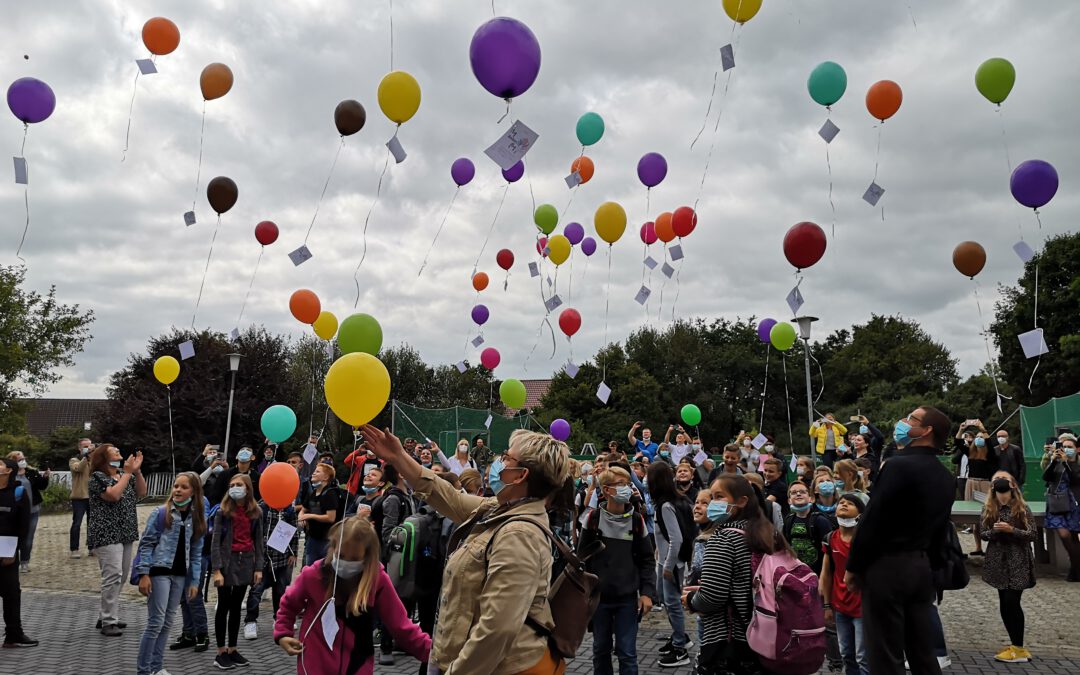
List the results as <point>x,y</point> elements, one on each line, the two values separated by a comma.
<point>1009,527</point>
<point>669,503</point>
<point>849,480</point>
<point>320,507</point>
<point>804,469</point>
<point>236,557</point>
<point>169,564</point>
<point>825,498</point>
<point>1062,476</point>
<point>707,527</point>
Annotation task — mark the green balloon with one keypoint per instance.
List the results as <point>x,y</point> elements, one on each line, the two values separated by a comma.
<point>546,218</point>
<point>995,79</point>
<point>512,393</point>
<point>691,414</point>
<point>782,336</point>
<point>360,333</point>
<point>590,128</point>
<point>827,83</point>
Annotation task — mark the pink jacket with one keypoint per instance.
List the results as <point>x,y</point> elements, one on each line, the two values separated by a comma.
<point>307,594</point>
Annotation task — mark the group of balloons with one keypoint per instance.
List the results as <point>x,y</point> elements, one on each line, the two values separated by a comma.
<point>777,333</point>
<point>669,225</point>
<point>828,82</point>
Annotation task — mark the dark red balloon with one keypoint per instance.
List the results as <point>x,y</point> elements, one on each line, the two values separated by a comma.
<point>266,232</point>
<point>683,221</point>
<point>804,244</point>
<point>505,258</point>
<point>570,321</point>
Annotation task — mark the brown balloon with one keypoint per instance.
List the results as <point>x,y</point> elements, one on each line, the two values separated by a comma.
<point>349,117</point>
<point>216,81</point>
<point>969,258</point>
<point>222,193</point>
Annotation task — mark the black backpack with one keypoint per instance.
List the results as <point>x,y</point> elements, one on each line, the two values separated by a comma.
<point>416,549</point>
<point>685,515</point>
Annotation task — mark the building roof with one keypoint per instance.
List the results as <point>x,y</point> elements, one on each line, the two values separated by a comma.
<point>48,414</point>
<point>534,391</point>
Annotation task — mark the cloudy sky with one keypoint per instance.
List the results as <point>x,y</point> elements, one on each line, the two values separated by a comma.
<point>110,235</point>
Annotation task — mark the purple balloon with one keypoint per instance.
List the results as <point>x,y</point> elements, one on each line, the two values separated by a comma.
<point>480,315</point>
<point>514,173</point>
<point>588,246</point>
<point>560,429</point>
<point>651,169</point>
<point>505,57</point>
<point>31,100</point>
<point>574,232</point>
<point>764,328</point>
<point>462,171</point>
<point>1034,183</point>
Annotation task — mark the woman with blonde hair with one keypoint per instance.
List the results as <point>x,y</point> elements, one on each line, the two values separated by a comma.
<point>471,482</point>
<point>236,558</point>
<point>350,585</point>
<point>1009,527</point>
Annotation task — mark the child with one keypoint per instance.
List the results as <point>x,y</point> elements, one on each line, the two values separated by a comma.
<point>684,480</point>
<point>842,604</point>
<point>169,564</point>
<point>1009,527</point>
<point>278,570</point>
<point>804,528</point>
<point>825,498</point>
<point>775,485</point>
<point>318,512</point>
<point>804,470</point>
<point>236,557</point>
<point>351,584</point>
<point>707,527</point>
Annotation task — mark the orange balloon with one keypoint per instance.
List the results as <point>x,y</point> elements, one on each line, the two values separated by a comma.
<point>279,484</point>
<point>969,258</point>
<point>480,281</point>
<point>883,99</point>
<point>160,36</point>
<point>585,168</point>
<point>305,306</point>
<point>216,81</point>
<point>665,231</point>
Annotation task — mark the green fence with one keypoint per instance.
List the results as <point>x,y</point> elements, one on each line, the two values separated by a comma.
<point>446,426</point>
<point>1039,423</point>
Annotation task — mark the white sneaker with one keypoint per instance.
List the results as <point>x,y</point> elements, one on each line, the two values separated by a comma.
<point>251,631</point>
<point>75,554</point>
<point>944,661</point>
<point>162,672</point>
<point>24,567</point>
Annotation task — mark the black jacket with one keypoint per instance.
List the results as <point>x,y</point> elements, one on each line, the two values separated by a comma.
<point>37,484</point>
<point>625,567</point>
<point>1011,459</point>
<point>218,484</point>
<point>14,515</point>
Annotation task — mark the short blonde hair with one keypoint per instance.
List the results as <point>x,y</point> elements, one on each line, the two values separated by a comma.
<point>547,460</point>
<point>470,480</point>
<point>612,474</point>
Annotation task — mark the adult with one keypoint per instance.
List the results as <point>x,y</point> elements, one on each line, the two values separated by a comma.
<point>460,461</point>
<point>115,486</point>
<point>33,481</point>
<point>79,466</point>
<point>682,446</point>
<point>645,447</point>
<point>972,441</point>
<point>482,453</point>
<point>1010,457</point>
<point>863,445</point>
<point>244,467</point>
<point>14,521</point>
<point>829,434</point>
<point>902,528</point>
<point>410,447</point>
<point>269,456</point>
<point>875,437</point>
<point>499,560</point>
<point>1062,476</point>
<point>673,513</point>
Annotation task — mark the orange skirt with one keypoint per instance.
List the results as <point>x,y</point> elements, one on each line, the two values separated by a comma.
<point>547,665</point>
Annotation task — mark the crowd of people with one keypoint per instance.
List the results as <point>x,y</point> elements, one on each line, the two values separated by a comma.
<point>454,559</point>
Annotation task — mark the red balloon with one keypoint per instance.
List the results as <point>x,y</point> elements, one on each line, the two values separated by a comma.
<point>505,258</point>
<point>490,358</point>
<point>683,221</point>
<point>804,244</point>
<point>648,233</point>
<point>266,232</point>
<point>279,484</point>
<point>570,321</point>
<point>541,244</point>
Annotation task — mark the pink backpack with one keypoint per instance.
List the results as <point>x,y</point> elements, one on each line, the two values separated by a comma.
<point>788,627</point>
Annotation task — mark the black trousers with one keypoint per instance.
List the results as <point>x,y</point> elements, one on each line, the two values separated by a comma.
<point>898,597</point>
<point>1012,615</point>
<point>11,592</point>
<point>227,617</point>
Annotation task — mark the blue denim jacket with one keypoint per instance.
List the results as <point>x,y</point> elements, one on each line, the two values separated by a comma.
<point>157,547</point>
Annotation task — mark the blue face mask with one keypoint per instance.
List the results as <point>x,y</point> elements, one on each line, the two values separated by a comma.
<point>237,493</point>
<point>369,490</point>
<point>665,453</point>
<point>717,511</point>
<point>864,429</point>
<point>980,442</point>
<point>494,481</point>
<point>622,494</point>
<point>826,509</point>
<point>1070,452</point>
<point>243,456</point>
<point>800,508</point>
<point>115,464</point>
<point>826,488</point>
<point>900,433</point>
<point>839,485</point>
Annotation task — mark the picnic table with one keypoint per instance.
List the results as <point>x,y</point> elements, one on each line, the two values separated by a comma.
<point>1048,548</point>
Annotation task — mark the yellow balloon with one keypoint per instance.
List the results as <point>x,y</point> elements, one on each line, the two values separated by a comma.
<point>399,96</point>
<point>610,221</point>
<point>558,249</point>
<point>357,388</point>
<point>166,370</point>
<point>325,326</point>
<point>742,10</point>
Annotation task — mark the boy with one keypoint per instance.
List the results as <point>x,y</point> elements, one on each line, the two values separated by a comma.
<point>776,488</point>
<point>805,528</point>
<point>279,567</point>
<point>841,602</point>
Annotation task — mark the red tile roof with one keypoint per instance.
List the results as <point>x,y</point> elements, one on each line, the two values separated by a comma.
<point>534,391</point>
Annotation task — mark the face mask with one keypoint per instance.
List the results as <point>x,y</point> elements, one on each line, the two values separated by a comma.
<point>717,511</point>
<point>839,484</point>
<point>269,455</point>
<point>1070,452</point>
<point>1003,440</point>
<point>494,480</point>
<point>900,433</point>
<point>980,442</point>
<point>746,444</point>
<point>427,465</point>
<point>243,456</point>
<point>684,483</point>
<point>847,522</point>
<point>22,463</point>
<point>842,449</point>
<point>462,449</point>
<point>768,447</point>
<point>369,490</point>
<point>800,508</point>
<point>1002,485</point>
<point>826,509</point>
<point>622,494</point>
<point>864,429</point>
<point>347,569</point>
<point>237,493</point>
<point>210,458</point>
<point>826,488</point>
<point>181,503</point>
<point>696,446</point>
<point>317,483</point>
<point>115,464</point>
<point>665,454</point>
<point>801,471</point>
<point>218,469</point>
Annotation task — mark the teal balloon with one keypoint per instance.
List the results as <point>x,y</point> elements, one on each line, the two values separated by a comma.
<point>691,414</point>
<point>782,336</point>
<point>995,79</point>
<point>278,423</point>
<point>360,333</point>
<point>827,83</point>
<point>546,218</point>
<point>590,128</point>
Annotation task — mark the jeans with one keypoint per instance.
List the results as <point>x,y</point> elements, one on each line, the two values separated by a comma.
<point>618,620</point>
<point>315,549</point>
<point>194,611</point>
<point>849,631</point>
<point>28,545</point>
<point>165,594</point>
<point>671,596</point>
<point>275,578</point>
<point>79,508</point>
<point>11,592</point>
<point>115,563</point>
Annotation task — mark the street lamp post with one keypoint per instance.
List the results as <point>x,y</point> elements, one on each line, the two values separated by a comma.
<point>804,333</point>
<point>234,365</point>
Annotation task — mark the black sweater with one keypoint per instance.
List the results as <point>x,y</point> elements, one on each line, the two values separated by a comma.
<point>626,566</point>
<point>14,515</point>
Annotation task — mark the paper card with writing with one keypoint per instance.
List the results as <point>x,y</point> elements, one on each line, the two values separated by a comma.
<point>329,624</point>
<point>668,270</point>
<point>281,537</point>
<point>534,271</point>
<point>461,367</point>
<point>553,303</point>
<point>727,57</point>
<point>1023,251</point>
<point>189,218</point>
<point>187,350</point>
<point>310,450</point>
<point>603,392</point>
<point>650,262</point>
<point>794,463</point>
<point>487,422</point>
<point>795,300</point>
<point>146,66</point>
<point>478,340</point>
<point>873,194</point>
<point>8,546</point>
<point>642,295</point>
<point>396,150</point>
<point>234,335</point>
<point>573,180</point>
<point>512,146</point>
<point>22,176</point>
<point>1033,343</point>
<point>759,441</point>
<point>828,131</point>
<point>571,369</point>
<point>300,256</point>
<point>675,252</point>
<point>700,457</point>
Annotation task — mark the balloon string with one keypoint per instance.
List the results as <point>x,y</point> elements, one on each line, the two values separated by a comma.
<point>131,108</point>
<point>490,230</point>
<point>367,220</point>
<point>986,341</point>
<point>663,286</point>
<point>391,35</point>
<point>439,231</point>
<point>765,386</point>
<point>1036,323</point>
<point>505,114</point>
<point>172,440</point>
<point>821,372</point>
<point>877,155</point>
<point>569,201</point>
<point>678,286</point>
<point>912,15</point>
<point>1038,219</point>
<point>787,402</point>
<point>832,205</point>
<point>26,193</point>
<point>1004,138</point>
<point>570,290</point>
<point>22,148</point>
<point>262,249</point>
<point>716,74</point>
<point>607,308</point>
<point>528,177</point>
<point>712,145</point>
<point>540,328</point>
<point>198,169</point>
<point>323,193</point>
<point>202,284</point>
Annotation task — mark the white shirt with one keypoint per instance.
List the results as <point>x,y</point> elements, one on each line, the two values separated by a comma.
<point>456,465</point>
<point>678,452</point>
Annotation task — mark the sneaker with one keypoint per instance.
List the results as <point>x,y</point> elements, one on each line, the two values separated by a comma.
<point>1013,654</point>
<point>119,624</point>
<point>944,662</point>
<point>251,630</point>
<point>238,660</point>
<point>223,661</point>
<point>677,657</point>
<point>162,672</point>
<point>386,659</point>
<point>112,630</point>
<point>182,642</point>
<point>76,555</point>
<point>666,648</point>
<point>19,641</point>
<point>202,643</point>
<point>24,567</point>
<point>982,553</point>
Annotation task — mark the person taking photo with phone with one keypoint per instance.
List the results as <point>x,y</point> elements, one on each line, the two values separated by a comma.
<point>1062,476</point>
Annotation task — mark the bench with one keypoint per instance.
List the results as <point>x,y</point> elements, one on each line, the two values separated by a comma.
<point>1048,547</point>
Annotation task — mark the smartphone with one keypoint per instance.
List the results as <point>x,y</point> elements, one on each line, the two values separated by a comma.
<point>853,418</point>
<point>215,448</point>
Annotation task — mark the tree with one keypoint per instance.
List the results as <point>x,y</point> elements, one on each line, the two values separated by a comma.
<point>38,335</point>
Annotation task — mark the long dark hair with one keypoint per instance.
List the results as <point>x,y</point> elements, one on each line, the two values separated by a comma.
<point>661,483</point>
<point>761,536</point>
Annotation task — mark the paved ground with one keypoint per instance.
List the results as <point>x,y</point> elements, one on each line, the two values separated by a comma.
<point>60,606</point>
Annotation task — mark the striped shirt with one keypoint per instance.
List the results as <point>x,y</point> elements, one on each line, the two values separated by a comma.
<point>726,579</point>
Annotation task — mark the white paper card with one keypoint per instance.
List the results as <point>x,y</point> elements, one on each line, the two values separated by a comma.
<point>573,180</point>
<point>650,262</point>
<point>234,335</point>
<point>487,422</point>
<point>187,350</point>
<point>1024,251</point>
<point>668,270</point>
<point>300,256</point>
<point>978,496</point>
<point>330,350</point>
<point>22,176</point>
<point>549,279</point>
<point>727,57</point>
<point>795,300</point>
<point>310,450</point>
<point>1033,343</point>
<point>794,463</point>
<point>534,271</point>
<point>8,546</point>
<point>642,295</point>
<point>571,369</point>
<point>396,150</point>
<point>553,303</point>
<point>873,194</point>
<point>759,441</point>
<point>189,218</point>
<point>281,537</point>
<point>146,66</point>
<point>461,367</point>
<point>700,457</point>
<point>675,252</point>
<point>329,624</point>
<point>828,131</point>
<point>512,146</point>
<point>478,340</point>
<point>603,392</point>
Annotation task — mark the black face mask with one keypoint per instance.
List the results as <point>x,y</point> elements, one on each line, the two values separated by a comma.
<point>1002,485</point>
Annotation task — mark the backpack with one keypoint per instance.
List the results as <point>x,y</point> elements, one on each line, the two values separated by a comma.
<point>787,629</point>
<point>343,501</point>
<point>415,547</point>
<point>134,580</point>
<point>685,517</point>
<point>947,563</point>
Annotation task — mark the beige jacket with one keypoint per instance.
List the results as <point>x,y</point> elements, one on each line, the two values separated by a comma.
<point>80,477</point>
<point>483,603</point>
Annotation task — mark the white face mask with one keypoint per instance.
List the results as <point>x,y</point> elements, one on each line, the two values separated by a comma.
<point>696,446</point>
<point>462,449</point>
<point>847,522</point>
<point>22,463</point>
<point>1003,440</point>
<point>347,569</point>
<point>237,492</point>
